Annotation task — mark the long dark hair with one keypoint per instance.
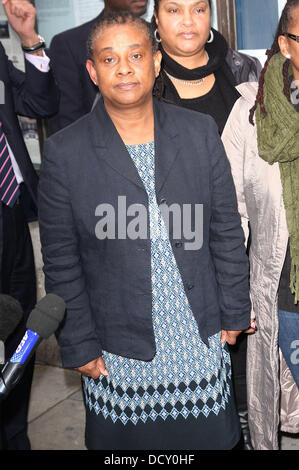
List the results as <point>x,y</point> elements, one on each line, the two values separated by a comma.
<point>283,25</point>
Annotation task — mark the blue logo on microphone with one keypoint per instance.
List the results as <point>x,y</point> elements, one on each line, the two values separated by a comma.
<point>25,347</point>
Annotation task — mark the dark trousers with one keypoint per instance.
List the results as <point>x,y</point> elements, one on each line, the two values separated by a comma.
<point>238,354</point>
<point>18,281</point>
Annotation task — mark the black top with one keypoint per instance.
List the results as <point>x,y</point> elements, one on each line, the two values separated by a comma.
<point>212,104</point>
<point>285,297</point>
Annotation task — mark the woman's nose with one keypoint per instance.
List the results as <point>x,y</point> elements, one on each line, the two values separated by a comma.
<point>124,67</point>
<point>187,18</point>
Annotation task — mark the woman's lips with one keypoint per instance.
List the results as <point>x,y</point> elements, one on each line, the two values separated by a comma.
<point>188,35</point>
<point>126,85</point>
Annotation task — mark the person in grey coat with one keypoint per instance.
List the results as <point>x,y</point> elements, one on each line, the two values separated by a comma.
<point>265,203</point>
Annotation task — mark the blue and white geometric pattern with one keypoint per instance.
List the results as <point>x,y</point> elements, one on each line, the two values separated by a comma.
<point>185,377</point>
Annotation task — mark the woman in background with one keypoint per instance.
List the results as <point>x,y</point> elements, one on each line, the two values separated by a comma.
<point>199,69</point>
<point>264,157</point>
<point>200,72</point>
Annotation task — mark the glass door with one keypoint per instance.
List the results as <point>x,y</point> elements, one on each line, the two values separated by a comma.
<point>256,24</point>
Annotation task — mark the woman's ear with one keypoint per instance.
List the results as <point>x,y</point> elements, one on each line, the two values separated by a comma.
<point>284,46</point>
<point>92,71</point>
<point>157,62</point>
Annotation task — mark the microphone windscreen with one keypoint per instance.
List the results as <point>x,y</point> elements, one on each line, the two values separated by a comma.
<point>11,313</point>
<point>47,315</point>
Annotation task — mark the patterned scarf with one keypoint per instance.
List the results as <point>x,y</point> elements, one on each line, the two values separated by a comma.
<point>278,141</point>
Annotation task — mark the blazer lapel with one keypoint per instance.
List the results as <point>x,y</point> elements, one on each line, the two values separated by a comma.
<point>111,148</point>
<point>166,143</point>
<point>109,145</point>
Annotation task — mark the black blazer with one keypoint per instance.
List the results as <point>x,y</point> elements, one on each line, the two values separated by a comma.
<point>33,94</point>
<point>107,283</point>
<point>68,53</point>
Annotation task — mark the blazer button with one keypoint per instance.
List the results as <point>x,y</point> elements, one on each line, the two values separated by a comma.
<point>178,244</point>
<point>190,286</point>
<point>163,201</point>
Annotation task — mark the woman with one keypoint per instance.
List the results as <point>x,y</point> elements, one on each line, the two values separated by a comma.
<point>145,314</point>
<point>264,158</point>
<point>200,72</point>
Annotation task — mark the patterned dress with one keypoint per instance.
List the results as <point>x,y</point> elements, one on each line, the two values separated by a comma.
<point>186,382</point>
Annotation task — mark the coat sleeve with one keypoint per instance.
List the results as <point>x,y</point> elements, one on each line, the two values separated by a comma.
<point>233,138</point>
<point>67,74</point>
<point>227,241</point>
<point>64,276</point>
<point>35,93</point>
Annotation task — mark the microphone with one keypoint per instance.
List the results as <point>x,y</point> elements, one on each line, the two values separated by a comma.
<point>43,321</point>
<point>11,313</point>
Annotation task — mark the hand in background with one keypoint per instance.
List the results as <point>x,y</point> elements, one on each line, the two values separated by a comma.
<point>21,15</point>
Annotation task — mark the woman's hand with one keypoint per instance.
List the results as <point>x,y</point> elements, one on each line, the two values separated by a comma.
<point>231,336</point>
<point>252,328</point>
<point>21,15</point>
<point>94,369</point>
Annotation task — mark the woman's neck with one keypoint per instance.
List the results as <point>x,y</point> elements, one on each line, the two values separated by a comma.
<point>135,124</point>
<point>190,62</point>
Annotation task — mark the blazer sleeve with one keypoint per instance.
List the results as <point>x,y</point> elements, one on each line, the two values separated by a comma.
<point>64,276</point>
<point>227,241</point>
<point>35,93</point>
<point>67,73</point>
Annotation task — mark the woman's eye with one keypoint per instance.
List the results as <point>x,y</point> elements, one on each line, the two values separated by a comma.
<point>108,60</point>
<point>173,10</point>
<point>136,56</point>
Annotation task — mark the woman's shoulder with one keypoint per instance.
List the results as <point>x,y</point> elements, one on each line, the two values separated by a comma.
<point>248,91</point>
<point>238,129</point>
<point>243,105</point>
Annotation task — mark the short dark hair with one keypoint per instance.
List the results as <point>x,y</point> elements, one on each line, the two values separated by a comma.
<point>119,18</point>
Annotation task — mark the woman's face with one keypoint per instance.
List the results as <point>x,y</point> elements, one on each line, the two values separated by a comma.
<point>183,25</point>
<point>124,66</point>
<point>289,46</point>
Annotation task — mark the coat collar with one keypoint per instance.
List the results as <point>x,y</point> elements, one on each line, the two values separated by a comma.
<point>110,147</point>
<point>248,91</point>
